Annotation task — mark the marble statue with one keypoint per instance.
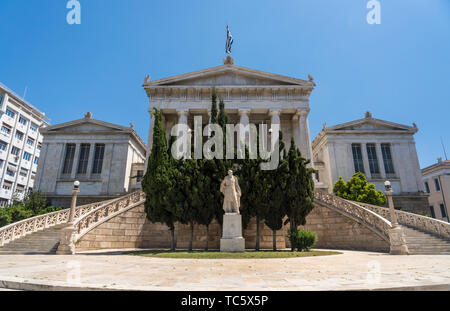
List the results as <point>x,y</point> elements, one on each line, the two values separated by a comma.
<point>232,193</point>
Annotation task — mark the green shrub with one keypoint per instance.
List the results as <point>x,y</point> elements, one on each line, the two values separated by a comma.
<point>48,210</point>
<point>302,240</point>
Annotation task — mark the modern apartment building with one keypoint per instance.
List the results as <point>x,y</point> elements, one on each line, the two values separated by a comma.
<point>436,179</point>
<point>20,145</point>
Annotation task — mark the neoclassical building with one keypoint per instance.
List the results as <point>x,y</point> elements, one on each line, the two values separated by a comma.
<point>250,96</point>
<point>106,158</point>
<point>380,149</point>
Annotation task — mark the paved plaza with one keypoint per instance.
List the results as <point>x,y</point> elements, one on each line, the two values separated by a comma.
<point>349,271</point>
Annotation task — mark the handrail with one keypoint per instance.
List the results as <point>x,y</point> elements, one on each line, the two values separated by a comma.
<point>423,223</point>
<point>21,228</point>
<point>98,214</point>
<point>372,220</point>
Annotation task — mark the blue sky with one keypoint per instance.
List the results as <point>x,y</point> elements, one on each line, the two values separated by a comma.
<point>399,70</point>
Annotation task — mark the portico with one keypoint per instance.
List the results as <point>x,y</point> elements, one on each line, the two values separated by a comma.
<point>250,97</point>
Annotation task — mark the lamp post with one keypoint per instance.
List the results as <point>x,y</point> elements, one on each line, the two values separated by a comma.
<point>397,239</point>
<point>387,185</point>
<point>73,205</point>
<point>67,235</point>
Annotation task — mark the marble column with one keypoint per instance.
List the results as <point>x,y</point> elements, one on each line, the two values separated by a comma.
<point>366,161</point>
<point>245,121</point>
<point>380,161</point>
<point>150,137</point>
<point>302,135</point>
<point>275,120</point>
<point>183,120</point>
<point>75,161</point>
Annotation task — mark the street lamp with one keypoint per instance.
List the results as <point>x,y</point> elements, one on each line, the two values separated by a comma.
<point>73,205</point>
<point>388,187</point>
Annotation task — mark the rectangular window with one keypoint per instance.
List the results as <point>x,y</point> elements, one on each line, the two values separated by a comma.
<point>23,172</point>
<point>10,113</point>
<point>437,186</point>
<point>26,156</point>
<point>7,185</point>
<point>10,172</point>
<point>432,212</point>
<point>139,176</point>
<point>6,128</point>
<point>3,145</point>
<point>83,159</point>
<point>357,158</point>
<point>68,159</point>
<point>30,141</point>
<point>1,163</point>
<point>387,158</point>
<point>39,146</point>
<point>443,213</point>
<point>19,135</point>
<point>373,160</point>
<point>20,188</point>
<point>33,127</point>
<point>15,151</point>
<point>36,160</point>
<point>427,187</point>
<point>23,120</point>
<point>98,158</point>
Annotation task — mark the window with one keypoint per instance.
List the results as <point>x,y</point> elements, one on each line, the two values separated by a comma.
<point>139,176</point>
<point>98,158</point>
<point>443,213</point>
<point>357,158</point>
<point>10,113</point>
<point>83,159</point>
<point>373,161</point>
<point>427,187</point>
<point>19,135</point>
<point>68,159</point>
<point>3,145</point>
<point>387,158</point>
<point>10,172</point>
<point>23,172</point>
<point>1,163</point>
<point>39,146</point>
<point>15,151</point>
<point>23,120</point>
<point>33,127</point>
<point>36,160</point>
<point>20,188</point>
<point>30,141</point>
<point>26,156</point>
<point>437,186</point>
<point>432,212</point>
<point>6,128</point>
<point>7,185</point>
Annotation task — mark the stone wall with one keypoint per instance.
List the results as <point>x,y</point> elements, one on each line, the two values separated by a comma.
<point>417,204</point>
<point>132,230</point>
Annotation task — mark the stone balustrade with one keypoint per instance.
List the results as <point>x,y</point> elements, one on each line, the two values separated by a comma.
<point>19,229</point>
<point>376,222</point>
<point>426,224</point>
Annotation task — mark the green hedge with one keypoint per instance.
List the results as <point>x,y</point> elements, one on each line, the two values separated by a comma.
<point>302,240</point>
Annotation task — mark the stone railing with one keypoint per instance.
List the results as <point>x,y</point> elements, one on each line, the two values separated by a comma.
<point>426,224</point>
<point>369,218</point>
<point>21,228</point>
<point>102,212</point>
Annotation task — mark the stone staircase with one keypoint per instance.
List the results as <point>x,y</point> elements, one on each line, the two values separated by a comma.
<point>41,242</point>
<point>421,243</point>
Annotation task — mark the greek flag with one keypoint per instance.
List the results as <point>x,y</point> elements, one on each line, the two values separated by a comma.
<point>229,41</point>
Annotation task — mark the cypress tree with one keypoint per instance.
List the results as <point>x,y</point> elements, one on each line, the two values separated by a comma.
<point>300,188</point>
<point>159,180</point>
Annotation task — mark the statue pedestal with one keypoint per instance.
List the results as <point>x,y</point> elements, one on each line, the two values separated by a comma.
<point>232,240</point>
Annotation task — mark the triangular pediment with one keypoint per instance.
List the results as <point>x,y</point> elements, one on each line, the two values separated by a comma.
<point>86,125</point>
<point>229,75</point>
<point>371,125</point>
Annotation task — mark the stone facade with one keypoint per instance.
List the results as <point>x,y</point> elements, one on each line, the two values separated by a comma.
<point>436,179</point>
<point>131,229</point>
<point>20,145</point>
<point>382,150</point>
<point>100,155</point>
